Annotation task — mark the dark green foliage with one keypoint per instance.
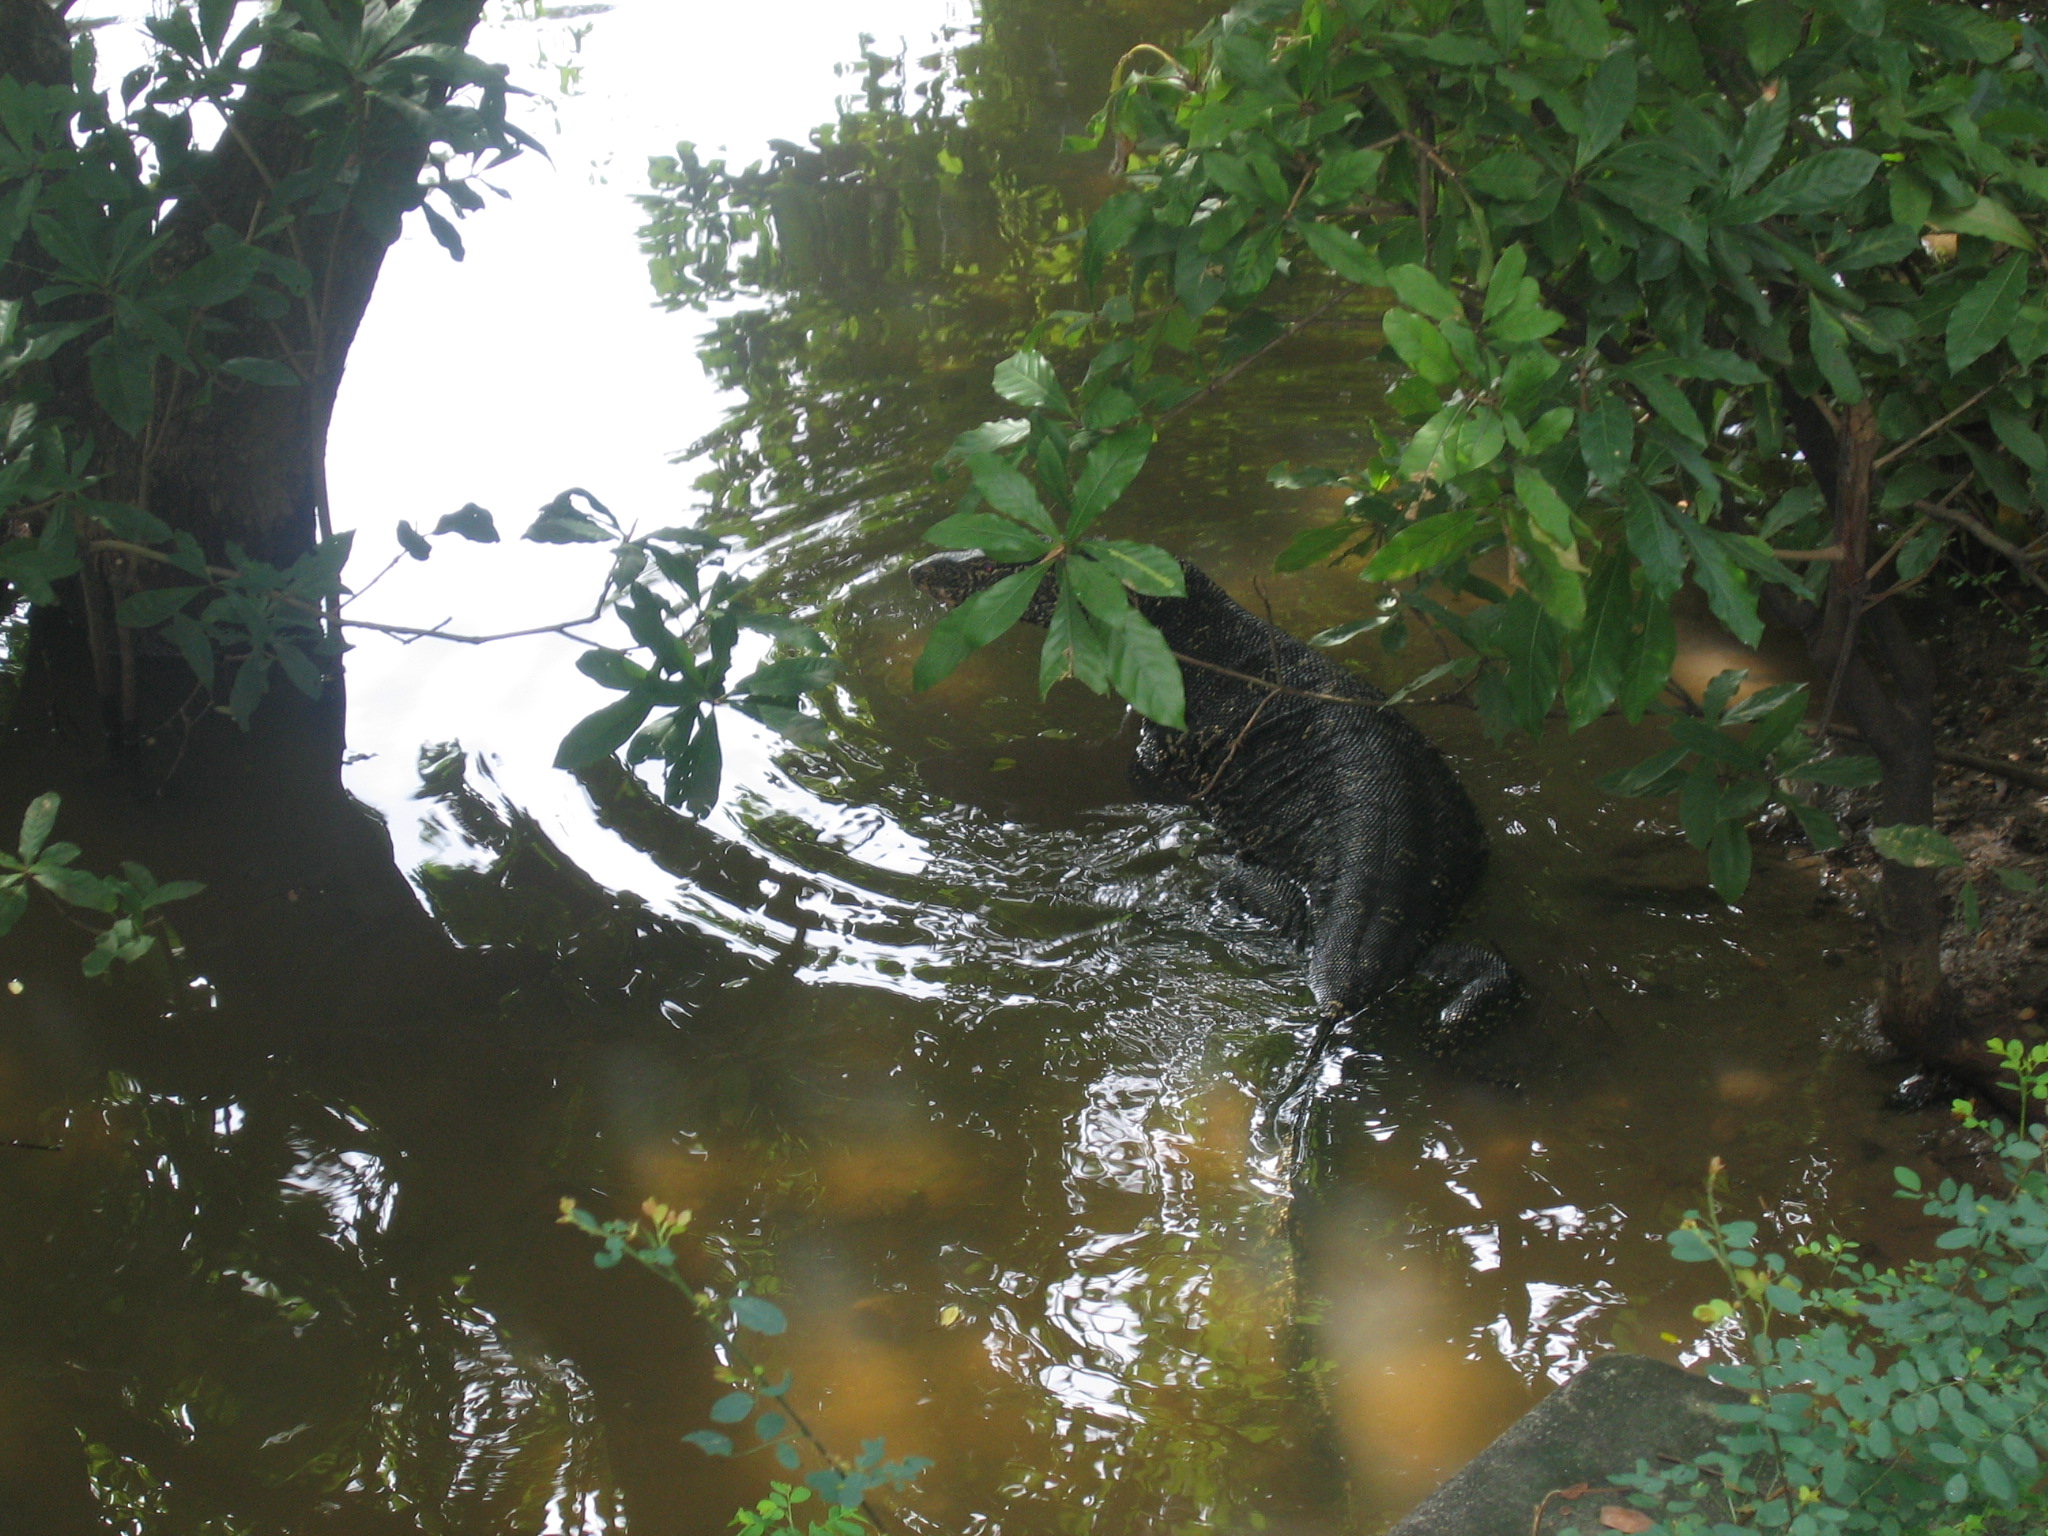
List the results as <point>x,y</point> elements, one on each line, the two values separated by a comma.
<point>129,901</point>
<point>1633,257</point>
<point>105,271</point>
<point>1903,1400</point>
<point>685,618</point>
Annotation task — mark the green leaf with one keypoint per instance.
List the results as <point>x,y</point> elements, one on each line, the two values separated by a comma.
<point>13,902</point>
<point>1578,26</point>
<point>1312,546</point>
<point>1416,288</point>
<point>709,1441</point>
<point>1599,651</point>
<point>1984,316</point>
<point>974,623</point>
<point>471,522</point>
<point>2020,439</point>
<point>997,537</point>
<point>1820,184</point>
<point>1916,847</point>
<point>1610,98</point>
<point>262,370</point>
<point>143,610</point>
<point>1420,345</point>
<point>1669,402</point>
<point>1990,218</point>
<point>599,735</point>
<point>1728,861</point>
<point>758,1314</point>
<point>1839,772</point>
<point>1529,640</point>
<point>989,437</point>
<point>790,677</point>
<point>561,523</point>
<point>1763,132</point>
<point>1830,347</point>
<point>1729,593</point>
<point>732,1408</point>
<point>1546,509</point>
<point>410,541</point>
<point>1010,493</point>
<point>252,682</point>
<point>1027,379</point>
<point>1075,646</point>
<point>1112,464</point>
<point>1144,568</point>
<point>1340,251</point>
<point>36,823</point>
<point>1654,541</point>
<point>1649,669</point>
<point>76,887</point>
<point>1607,437</point>
<point>1423,546</point>
<point>1506,19</point>
<point>789,723</point>
<point>189,636</point>
<point>1143,669</point>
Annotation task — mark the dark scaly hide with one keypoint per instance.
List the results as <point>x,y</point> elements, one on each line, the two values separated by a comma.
<point>1354,833</point>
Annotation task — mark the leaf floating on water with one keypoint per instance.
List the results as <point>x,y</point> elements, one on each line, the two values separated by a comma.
<point>1618,1517</point>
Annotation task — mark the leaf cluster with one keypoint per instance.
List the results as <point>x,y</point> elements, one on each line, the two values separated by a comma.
<point>1045,479</point>
<point>1640,269</point>
<point>248,615</point>
<point>685,617</point>
<point>127,903</point>
<point>757,1397</point>
<point>1900,1399</point>
<point>1724,776</point>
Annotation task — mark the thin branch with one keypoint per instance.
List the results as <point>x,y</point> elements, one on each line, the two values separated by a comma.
<point>364,589</point>
<point>1998,767</point>
<point>1272,687</point>
<point>1915,442</point>
<point>1223,378</point>
<point>408,633</point>
<point>2014,555</point>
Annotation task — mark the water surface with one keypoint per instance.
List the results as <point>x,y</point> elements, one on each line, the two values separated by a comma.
<point>940,1037</point>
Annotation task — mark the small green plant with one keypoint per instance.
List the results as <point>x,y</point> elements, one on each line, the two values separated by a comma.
<point>757,1396</point>
<point>1904,1400</point>
<point>684,617</point>
<point>130,900</point>
<point>774,1516</point>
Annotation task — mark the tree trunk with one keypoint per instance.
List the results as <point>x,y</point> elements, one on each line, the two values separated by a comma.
<point>1883,679</point>
<point>234,462</point>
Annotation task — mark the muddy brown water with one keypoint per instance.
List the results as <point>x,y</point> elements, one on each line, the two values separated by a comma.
<point>943,1041</point>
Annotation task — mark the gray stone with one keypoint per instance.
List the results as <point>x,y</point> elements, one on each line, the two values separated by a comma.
<point>1617,1411</point>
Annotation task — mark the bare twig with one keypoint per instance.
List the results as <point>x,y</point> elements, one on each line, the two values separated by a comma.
<point>407,633</point>
<point>2014,555</point>
<point>1915,441</point>
<point>2017,773</point>
<point>1294,329</point>
<point>364,589</point>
